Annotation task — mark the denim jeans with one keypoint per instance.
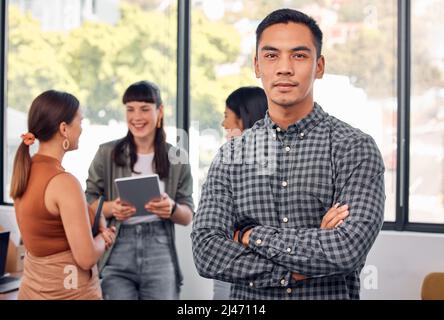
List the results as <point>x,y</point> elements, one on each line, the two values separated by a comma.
<point>140,266</point>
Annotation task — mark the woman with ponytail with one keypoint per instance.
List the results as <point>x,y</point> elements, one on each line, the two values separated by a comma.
<point>143,263</point>
<point>51,209</point>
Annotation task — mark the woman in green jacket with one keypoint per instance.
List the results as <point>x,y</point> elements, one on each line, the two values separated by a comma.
<point>143,262</point>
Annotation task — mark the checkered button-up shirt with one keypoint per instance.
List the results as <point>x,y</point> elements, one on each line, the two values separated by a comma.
<point>284,181</point>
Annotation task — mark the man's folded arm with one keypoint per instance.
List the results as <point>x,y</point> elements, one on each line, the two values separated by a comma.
<point>314,252</point>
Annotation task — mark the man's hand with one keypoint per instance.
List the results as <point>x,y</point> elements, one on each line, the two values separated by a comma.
<point>298,277</point>
<point>335,216</point>
<point>245,238</point>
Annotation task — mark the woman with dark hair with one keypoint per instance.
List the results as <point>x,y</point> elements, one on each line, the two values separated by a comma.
<point>143,263</point>
<point>243,107</point>
<point>51,209</point>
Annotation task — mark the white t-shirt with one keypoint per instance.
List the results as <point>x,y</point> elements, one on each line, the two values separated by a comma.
<point>144,165</point>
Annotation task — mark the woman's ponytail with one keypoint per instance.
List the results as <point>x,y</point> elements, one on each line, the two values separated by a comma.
<point>21,171</point>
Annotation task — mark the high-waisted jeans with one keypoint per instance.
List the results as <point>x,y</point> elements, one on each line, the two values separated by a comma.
<point>140,266</point>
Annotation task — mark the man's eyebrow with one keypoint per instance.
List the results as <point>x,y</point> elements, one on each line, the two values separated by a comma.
<point>269,48</point>
<point>301,48</point>
<point>298,48</point>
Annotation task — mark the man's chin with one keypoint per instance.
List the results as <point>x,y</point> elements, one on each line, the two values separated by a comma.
<point>286,103</point>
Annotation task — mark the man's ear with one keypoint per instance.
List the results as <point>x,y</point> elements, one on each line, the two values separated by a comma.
<point>320,67</point>
<point>256,67</point>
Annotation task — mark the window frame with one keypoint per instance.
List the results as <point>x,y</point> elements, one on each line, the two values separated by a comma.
<point>183,104</point>
<point>3,71</point>
<point>183,68</point>
<point>402,222</point>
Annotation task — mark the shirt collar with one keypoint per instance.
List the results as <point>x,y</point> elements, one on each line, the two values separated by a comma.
<point>302,126</point>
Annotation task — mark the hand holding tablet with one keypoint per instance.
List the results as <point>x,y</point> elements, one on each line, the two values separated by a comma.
<point>163,207</point>
<point>138,191</point>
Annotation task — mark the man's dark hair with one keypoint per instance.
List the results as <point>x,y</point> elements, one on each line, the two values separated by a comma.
<point>295,16</point>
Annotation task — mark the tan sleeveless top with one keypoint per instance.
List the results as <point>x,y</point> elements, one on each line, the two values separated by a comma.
<point>43,233</point>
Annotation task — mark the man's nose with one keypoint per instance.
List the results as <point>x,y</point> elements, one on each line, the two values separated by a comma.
<point>285,67</point>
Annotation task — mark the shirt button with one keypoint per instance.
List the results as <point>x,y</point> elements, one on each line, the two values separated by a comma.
<point>258,242</point>
<point>283,282</point>
<point>285,220</point>
<point>278,129</point>
<point>289,290</point>
<point>289,250</point>
<point>287,149</point>
<point>301,135</point>
<point>251,284</point>
<point>284,183</point>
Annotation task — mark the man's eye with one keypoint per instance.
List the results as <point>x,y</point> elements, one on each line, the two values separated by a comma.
<point>270,55</point>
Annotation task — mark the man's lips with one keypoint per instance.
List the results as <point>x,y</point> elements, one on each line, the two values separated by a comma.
<point>285,87</point>
<point>285,84</point>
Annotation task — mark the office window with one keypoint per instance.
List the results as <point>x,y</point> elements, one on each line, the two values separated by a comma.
<point>94,50</point>
<point>359,86</point>
<point>426,188</point>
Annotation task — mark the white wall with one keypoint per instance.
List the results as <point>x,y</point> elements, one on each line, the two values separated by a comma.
<point>194,286</point>
<point>402,259</point>
<point>398,260</point>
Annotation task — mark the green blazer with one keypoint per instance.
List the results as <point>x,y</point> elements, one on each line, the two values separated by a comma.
<point>103,171</point>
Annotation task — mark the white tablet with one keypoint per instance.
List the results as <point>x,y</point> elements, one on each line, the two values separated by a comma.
<point>138,190</point>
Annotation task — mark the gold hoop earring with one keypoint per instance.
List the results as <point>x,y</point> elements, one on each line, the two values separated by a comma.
<point>65,144</point>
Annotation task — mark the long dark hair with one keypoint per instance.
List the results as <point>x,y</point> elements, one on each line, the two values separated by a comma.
<point>47,112</point>
<point>249,104</point>
<point>143,91</point>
